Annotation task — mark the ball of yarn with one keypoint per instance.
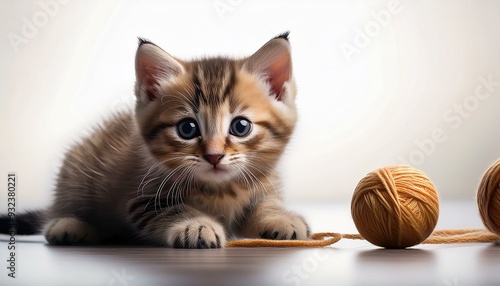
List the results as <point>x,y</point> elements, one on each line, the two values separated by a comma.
<point>395,207</point>
<point>488,198</point>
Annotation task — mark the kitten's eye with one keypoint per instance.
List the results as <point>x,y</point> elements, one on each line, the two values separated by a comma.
<point>188,129</point>
<point>240,127</point>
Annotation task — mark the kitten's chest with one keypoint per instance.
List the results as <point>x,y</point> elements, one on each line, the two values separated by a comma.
<point>227,203</point>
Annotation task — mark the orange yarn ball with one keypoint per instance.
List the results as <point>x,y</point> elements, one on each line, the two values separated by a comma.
<point>395,207</point>
<point>488,198</point>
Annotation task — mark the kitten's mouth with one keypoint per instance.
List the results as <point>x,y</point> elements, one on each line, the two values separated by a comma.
<point>217,170</point>
<point>216,174</point>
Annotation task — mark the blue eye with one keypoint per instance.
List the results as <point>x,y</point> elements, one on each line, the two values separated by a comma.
<point>240,127</point>
<point>188,129</point>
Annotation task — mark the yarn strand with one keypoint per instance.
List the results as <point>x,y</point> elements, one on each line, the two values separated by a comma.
<point>322,239</point>
<point>461,236</point>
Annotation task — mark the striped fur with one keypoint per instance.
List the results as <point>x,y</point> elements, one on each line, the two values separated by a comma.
<point>136,180</point>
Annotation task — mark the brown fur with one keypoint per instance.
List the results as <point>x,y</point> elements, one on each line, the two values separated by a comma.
<point>136,180</point>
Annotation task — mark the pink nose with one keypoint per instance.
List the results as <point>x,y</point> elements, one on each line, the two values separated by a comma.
<point>214,159</point>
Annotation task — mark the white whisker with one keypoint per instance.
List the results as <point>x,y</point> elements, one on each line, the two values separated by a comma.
<point>140,188</point>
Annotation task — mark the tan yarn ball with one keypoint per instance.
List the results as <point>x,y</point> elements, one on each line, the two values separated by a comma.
<point>395,207</point>
<point>488,198</point>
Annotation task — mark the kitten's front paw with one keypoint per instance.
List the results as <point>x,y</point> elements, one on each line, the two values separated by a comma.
<point>286,226</point>
<point>70,231</point>
<point>199,232</point>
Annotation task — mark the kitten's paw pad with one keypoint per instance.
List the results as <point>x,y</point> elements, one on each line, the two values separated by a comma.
<point>283,227</point>
<point>70,231</point>
<point>197,233</point>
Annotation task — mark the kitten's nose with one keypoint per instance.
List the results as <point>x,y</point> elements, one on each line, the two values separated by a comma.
<point>214,159</point>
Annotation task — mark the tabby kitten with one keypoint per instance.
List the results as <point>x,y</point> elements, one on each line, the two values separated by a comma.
<point>194,165</point>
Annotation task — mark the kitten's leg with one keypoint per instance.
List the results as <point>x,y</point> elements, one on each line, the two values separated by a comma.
<point>176,226</point>
<point>196,232</point>
<point>270,220</point>
<point>70,231</point>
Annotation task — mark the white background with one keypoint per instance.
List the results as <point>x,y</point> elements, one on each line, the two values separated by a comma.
<point>379,106</point>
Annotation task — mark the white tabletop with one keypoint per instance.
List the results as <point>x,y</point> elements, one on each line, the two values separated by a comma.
<point>344,263</point>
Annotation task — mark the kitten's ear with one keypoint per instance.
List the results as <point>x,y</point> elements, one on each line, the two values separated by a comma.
<point>153,64</point>
<point>274,62</point>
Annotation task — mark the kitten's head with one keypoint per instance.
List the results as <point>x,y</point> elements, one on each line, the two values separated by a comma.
<point>216,119</point>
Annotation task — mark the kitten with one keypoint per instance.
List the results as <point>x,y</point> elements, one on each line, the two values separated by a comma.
<point>194,165</point>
